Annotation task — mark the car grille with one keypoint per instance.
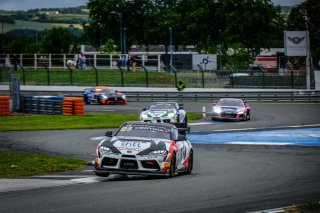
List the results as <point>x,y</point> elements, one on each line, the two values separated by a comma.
<point>109,162</point>
<point>228,115</point>
<point>150,164</point>
<point>129,156</point>
<point>128,164</point>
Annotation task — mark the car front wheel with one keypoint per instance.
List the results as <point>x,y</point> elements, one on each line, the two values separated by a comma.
<point>172,168</point>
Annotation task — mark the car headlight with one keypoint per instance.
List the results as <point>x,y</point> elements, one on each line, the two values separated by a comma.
<point>217,110</point>
<point>240,110</point>
<point>104,96</point>
<point>105,149</point>
<point>171,115</point>
<point>143,116</point>
<point>123,97</point>
<point>158,152</point>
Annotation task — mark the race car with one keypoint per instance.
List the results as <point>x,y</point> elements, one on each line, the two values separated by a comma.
<point>103,95</point>
<point>165,112</point>
<point>231,109</point>
<point>148,149</point>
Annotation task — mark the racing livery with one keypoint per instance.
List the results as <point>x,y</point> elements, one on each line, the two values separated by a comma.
<point>139,148</point>
<point>103,95</point>
<point>231,109</point>
<point>165,112</point>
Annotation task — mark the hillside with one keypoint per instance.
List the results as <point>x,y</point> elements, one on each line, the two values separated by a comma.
<point>43,19</point>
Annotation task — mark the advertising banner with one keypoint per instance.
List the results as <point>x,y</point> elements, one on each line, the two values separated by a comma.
<point>317,79</point>
<point>295,43</point>
<point>204,62</point>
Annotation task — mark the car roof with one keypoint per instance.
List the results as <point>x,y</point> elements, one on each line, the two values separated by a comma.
<point>230,99</point>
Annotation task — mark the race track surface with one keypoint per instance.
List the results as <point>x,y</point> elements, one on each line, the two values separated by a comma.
<point>226,178</point>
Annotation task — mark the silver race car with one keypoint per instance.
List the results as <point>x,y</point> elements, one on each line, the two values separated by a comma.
<point>165,112</point>
<point>139,148</point>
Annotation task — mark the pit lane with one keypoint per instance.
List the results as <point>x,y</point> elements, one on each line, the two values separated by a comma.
<point>226,178</point>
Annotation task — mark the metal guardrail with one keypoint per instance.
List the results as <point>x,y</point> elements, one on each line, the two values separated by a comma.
<point>306,96</point>
<point>190,94</point>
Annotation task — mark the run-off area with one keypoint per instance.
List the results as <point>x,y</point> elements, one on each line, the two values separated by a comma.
<point>296,137</point>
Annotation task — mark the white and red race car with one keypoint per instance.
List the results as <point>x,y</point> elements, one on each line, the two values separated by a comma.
<point>139,148</point>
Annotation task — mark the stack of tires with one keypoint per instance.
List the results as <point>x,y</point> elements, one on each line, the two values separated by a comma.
<point>73,106</point>
<point>49,105</point>
<point>4,105</point>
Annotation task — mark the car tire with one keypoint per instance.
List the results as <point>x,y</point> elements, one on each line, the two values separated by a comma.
<point>102,174</point>
<point>190,164</point>
<point>172,168</point>
<point>248,117</point>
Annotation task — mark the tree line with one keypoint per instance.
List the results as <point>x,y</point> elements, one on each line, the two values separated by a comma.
<point>212,26</point>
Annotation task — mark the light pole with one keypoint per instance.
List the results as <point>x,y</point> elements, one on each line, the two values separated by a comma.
<point>170,30</point>
<point>120,18</point>
<point>220,50</point>
<point>308,70</point>
<point>124,46</point>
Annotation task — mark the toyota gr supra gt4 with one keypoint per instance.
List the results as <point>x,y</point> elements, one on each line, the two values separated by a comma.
<point>148,149</point>
<point>165,112</point>
<point>103,95</point>
<point>231,109</point>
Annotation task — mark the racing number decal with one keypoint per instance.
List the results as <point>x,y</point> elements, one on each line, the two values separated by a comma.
<point>125,128</point>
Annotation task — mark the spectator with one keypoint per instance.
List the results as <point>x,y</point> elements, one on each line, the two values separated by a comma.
<point>82,61</point>
<point>180,86</point>
<point>15,61</point>
<point>133,63</point>
<point>128,63</point>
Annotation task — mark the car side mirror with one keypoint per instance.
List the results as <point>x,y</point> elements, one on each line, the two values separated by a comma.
<point>144,109</point>
<point>182,137</point>
<point>108,134</point>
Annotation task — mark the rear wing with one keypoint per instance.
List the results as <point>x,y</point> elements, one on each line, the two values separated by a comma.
<point>183,131</point>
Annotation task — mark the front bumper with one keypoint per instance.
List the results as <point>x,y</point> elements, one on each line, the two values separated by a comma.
<point>228,116</point>
<point>132,165</point>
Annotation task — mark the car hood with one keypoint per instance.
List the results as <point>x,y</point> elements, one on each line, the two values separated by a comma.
<point>135,145</point>
<point>163,113</point>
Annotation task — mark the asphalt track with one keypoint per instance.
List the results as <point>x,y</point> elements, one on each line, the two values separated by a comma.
<point>226,177</point>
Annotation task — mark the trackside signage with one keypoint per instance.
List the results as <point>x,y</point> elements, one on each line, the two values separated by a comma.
<point>295,43</point>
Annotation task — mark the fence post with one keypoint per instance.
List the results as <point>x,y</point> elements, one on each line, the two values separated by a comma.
<point>71,76</point>
<point>0,74</point>
<point>110,61</point>
<point>202,78</point>
<point>175,78</point>
<point>35,62</point>
<point>23,75</point>
<point>97,77</point>
<point>48,74</point>
<point>159,63</point>
<point>263,80</point>
<point>50,61</point>
<point>121,76</point>
<point>64,61</point>
<point>231,79</point>
<point>95,61</point>
<point>292,82</point>
<point>147,78</point>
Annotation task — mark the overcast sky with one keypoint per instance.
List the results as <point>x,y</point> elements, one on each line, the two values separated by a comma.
<point>32,4</point>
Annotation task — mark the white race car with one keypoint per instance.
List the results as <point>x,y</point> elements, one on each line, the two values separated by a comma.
<point>165,112</point>
<point>139,148</point>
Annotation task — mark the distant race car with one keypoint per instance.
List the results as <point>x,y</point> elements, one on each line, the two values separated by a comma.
<point>231,109</point>
<point>103,95</point>
<point>149,149</point>
<point>165,112</point>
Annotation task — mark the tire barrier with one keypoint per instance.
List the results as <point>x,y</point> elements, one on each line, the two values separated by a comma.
<point>4,105</point>
<point>73,106</point>
<point>49,105</point>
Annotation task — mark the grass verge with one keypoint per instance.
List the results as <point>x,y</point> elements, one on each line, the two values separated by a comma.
<point>21,122</point>
<point>20,164</point>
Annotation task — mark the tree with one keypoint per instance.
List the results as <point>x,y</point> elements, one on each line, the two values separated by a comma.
<point>57,40</point>
<point>109,47</point>
<point>297,22</point>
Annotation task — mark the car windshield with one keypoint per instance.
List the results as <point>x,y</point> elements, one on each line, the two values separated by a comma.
<point>145,131</point>
<point>237,103</point>
<point>162,106</point>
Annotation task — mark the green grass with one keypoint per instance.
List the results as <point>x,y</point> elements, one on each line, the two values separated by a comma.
<point>20,122</point>
<point>19,164</point>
